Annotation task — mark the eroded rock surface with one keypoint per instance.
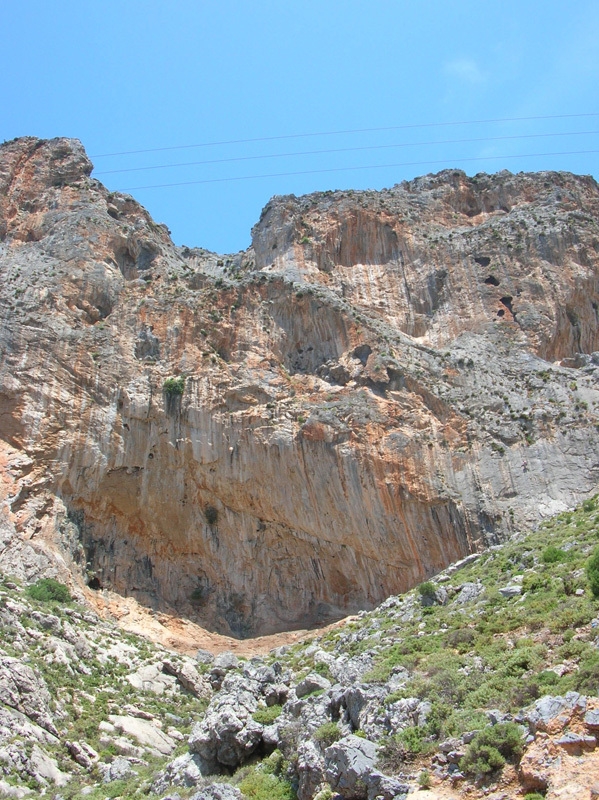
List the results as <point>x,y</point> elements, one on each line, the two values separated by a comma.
<point>382,384</point>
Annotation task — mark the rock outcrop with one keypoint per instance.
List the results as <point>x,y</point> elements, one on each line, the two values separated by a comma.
<point>382,384</point>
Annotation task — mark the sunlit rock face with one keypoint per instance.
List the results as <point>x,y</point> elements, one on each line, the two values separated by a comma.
<point>383,383</point>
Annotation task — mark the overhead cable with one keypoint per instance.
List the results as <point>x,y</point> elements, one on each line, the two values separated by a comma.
<point>339,133</point>
<point>344,150</point>
<point>352,169</point>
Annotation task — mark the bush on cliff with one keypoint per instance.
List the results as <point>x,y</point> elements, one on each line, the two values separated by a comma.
<point>593,572</point>
<point>48,590</point>
<point>491,747</point>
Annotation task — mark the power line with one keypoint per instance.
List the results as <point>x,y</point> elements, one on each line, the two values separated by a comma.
<point>344,150</point>
<point>339,133</point>
<point>352,169</point>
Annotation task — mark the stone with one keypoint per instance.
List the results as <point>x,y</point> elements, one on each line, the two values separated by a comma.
<point>22,689</point>
<point>348,763</point>
<point>218,791</point>
<point>512,590</point>
<point>204,657</point>
<point>119,769</point>
<point>228,735</point>
<point>310,769</point>
<point>151,678</point>
<point>185,770</point>
<point>189,678</point>
<point>45,768</point>
<point>147,734</point>
<point>469,592</point>
<point>82,753</point>
<point>575,744</point>
<point>312,683</point>
<point>591,719</point>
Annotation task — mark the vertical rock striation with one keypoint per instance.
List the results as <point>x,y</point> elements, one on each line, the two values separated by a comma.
<point>383,383</point>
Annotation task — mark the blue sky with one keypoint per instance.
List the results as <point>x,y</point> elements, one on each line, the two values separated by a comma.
<point>132,75</point>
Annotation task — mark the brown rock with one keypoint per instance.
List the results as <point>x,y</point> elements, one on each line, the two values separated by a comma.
<point>343,430</point>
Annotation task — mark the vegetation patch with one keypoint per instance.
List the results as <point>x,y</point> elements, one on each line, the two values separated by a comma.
<point>49,590</point>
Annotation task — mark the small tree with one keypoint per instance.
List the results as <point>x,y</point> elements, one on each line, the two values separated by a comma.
<point>593,572</point>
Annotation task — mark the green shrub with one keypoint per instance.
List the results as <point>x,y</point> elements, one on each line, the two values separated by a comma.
<point>491,747</point>
<point>554,555</point>
<point>260,785</point>
<point>174,386</point>
<point>533,796</point>
<point>266,716</point>
<point>48,590</point>
<point>427,590</point>
<point>424,779</point>
<point>327,734</point>
<point>593,572</point>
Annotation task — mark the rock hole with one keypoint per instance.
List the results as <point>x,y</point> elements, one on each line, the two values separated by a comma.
<point>362,352</point>
<point>501,312</point>
<point>94,583</point>
<point>484,261</point>
<point>492,281</point>
<point>507,302</point>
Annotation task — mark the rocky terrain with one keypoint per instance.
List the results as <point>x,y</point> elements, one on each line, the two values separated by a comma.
<point>382,384</point>
<point>481,683</point>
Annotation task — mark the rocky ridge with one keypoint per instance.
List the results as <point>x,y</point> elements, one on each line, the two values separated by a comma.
<point>483,682</point>
<point>237,439</point>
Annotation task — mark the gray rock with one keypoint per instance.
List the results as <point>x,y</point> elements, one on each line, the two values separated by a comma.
<point>512,590</point>
<point>469,592</point>
<point>23,690</point>
<point>151,678</point>
<point>348,763</point>
<point>186,770</point>
<point>218,791</point>
<point>226,661</point>
<point>147,735</point>
<point>189,678</point>
<point>119,769</point>
<point>82,753</point>
<point>575,744</point>
<point>549,707</point>
<point>227,735</point>
<point>204,657</point>
<point>45,769</point>
<point>383,787</point>
<point>591,720</point>
<point>310,770</point>
<point>312,683</point>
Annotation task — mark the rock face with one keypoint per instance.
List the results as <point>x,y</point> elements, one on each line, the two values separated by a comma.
<point>384,383</point>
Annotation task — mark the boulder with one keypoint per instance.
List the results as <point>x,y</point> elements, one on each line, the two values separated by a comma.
<point>312,683</point>
<point>188,677</point>
<point>22,689</point>
<point>119,769</point>
<point>218,791</point>
<point>310,770</point>
<point>348,764</point>
<point>152,678</point>
<point>186,770</point>
<point>145,732</point>
<point>228,735</point>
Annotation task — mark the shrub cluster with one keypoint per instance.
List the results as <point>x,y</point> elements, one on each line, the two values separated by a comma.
<point>49,590</point>
<point>174,386</point>
<point>491,747</point>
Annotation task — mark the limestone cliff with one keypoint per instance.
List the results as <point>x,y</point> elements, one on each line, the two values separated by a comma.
<point>383,383</point>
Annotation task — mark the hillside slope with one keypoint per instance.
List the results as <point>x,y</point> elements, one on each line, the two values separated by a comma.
<point>481,683</point>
